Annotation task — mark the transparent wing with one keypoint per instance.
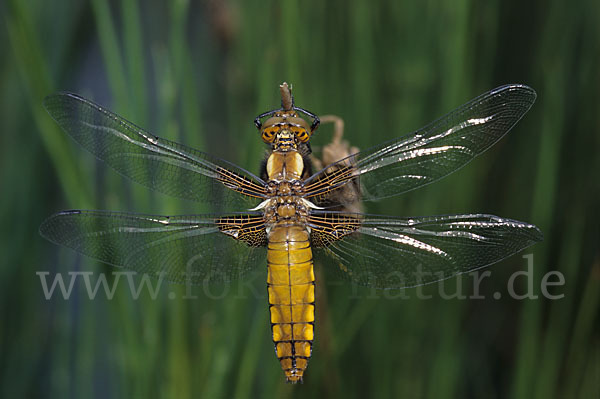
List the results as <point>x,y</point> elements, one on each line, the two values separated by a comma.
<point>384,252</point>
<point>159,164</point>
<point>180,249</point>
<point>428,154</point>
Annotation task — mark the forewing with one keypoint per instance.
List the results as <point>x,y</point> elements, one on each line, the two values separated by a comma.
<point>386,252</point>
<point>180,249</point>
<point>157,163</point>
<point>428,154</point>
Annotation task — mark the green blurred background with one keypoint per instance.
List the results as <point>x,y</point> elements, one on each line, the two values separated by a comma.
<point>198,73</point>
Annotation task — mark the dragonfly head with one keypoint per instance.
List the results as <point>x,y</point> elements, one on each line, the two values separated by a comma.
<point>286,121</point>
<point>284,126</point>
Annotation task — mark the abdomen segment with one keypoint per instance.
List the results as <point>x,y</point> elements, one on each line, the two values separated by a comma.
<point>291,287</point>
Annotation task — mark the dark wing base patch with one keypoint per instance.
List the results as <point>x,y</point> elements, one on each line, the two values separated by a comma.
<point>329,227</point>
<point>249,229</point>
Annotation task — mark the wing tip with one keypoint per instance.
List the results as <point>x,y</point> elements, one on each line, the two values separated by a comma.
<point>522,89</point>
<point>46,226</point>
<point>47,101</point>
<point>534,234</point>
<point>537,235</point>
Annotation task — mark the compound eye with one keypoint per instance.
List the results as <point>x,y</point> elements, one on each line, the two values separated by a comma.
<point>303,136</point>
<point>268,135</point>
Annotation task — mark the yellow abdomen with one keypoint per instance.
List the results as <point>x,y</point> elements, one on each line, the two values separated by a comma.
<point>291,287</point>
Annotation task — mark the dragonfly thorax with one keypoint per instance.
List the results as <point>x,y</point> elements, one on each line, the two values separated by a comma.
<point>285,208</point>
<point>285,166</point>
<point>285,187</point>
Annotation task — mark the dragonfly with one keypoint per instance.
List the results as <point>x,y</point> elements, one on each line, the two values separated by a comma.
<point>288,217</point>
